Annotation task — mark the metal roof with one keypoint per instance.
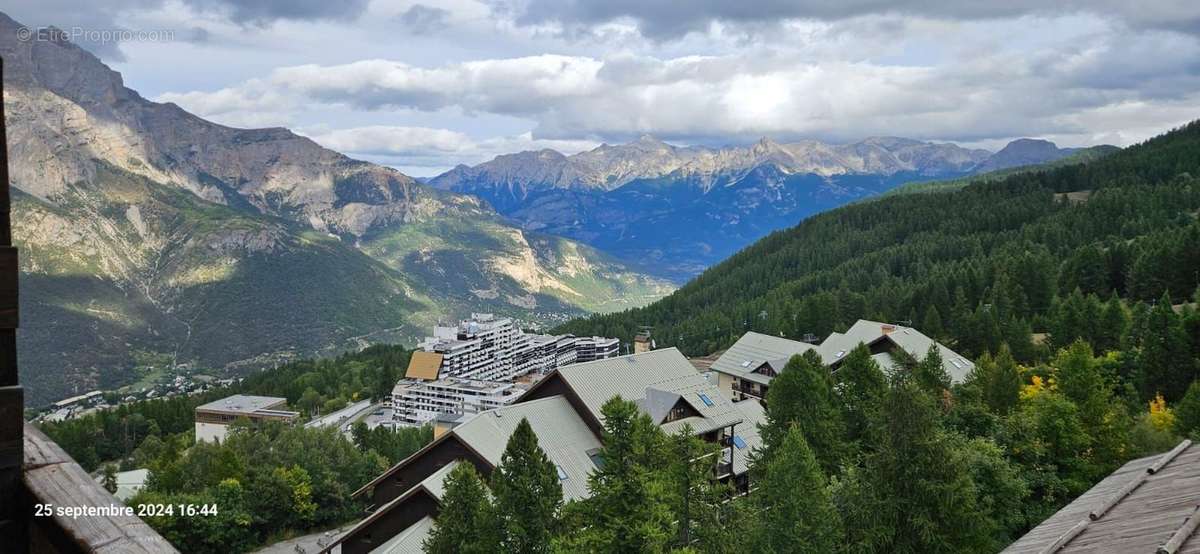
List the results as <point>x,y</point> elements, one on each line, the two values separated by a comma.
<point>755,349</point>
<point>408,541</point>
<point>910,340</point>
<point>562,435</point>
<point>244,404</point>
<point>753,415</point>
<point>1145,504</point>
<point>664,370</point>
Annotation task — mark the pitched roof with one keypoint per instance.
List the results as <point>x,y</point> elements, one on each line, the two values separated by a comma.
<point>562,435</point>
<point>409,541</point>
<point>753,415</point>
<point>753,350</point>
<point>1138,508</point>
<point>665,370</point>
<point>910,340</point>
<point>424,365</point>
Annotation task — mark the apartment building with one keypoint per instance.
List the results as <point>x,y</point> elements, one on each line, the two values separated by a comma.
<point>213,419</point>
<point>418,402</point>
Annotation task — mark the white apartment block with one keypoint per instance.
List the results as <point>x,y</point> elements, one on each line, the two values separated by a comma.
<point>419,402</point>
<point>471,367</point>
<point>490,348</point>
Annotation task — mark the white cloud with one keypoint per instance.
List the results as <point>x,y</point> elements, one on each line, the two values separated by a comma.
<point>428,151</point>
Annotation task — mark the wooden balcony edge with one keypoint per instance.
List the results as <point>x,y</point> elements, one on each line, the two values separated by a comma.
<point>51,477</point>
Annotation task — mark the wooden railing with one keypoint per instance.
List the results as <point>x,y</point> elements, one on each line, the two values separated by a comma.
<point>52,478</point>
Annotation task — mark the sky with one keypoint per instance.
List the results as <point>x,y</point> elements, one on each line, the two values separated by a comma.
<point>425,85</point>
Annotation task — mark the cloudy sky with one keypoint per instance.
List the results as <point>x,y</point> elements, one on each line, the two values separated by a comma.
<point>424,85</point>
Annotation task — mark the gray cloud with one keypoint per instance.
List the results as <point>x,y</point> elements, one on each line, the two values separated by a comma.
<point>265,12</point>
<point>669,19</point>
<point>423,20</point>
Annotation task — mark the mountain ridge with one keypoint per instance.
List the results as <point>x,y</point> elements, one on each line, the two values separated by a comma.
<point>149,234</point>
<point>675,210</point>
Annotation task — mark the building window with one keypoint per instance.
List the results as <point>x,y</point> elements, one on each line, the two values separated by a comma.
<point>739,442</point>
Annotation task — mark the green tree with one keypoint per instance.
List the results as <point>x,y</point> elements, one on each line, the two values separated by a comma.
<point>464,524</point>
<point>999,381</point>
<point>628,510</point>
<point>1187,411</point>
<point>914,493</point>
<point>793,499</point>
<point>696,499</point>
<point>860,384</point>
<point>527,494</point>
<point>802,396</point>
<point>930,374</point>
<point>110,478</point>
<point>1165,360</point>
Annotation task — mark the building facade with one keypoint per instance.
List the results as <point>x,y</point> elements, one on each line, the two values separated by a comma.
<point>416,402</point>
<point>213,419</point>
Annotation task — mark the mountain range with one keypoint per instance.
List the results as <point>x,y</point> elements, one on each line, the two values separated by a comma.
<point>150,237</point>
<point>676,210</point>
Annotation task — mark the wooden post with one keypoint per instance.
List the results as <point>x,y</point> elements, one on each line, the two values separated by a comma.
<point>13,524</point>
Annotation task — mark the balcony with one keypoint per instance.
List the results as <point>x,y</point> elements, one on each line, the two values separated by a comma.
<point>51,477</point>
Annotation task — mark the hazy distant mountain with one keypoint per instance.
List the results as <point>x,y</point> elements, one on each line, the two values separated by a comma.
<point>149,234</point>
<point>676,210</point>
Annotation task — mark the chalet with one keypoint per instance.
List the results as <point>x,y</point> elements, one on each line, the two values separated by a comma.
<point>564,410</point>
<point>747,368</point>
<point>1148,505</point>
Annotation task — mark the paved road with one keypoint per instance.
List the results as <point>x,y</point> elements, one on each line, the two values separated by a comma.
<point>308,544</point>
<point>345,414</point>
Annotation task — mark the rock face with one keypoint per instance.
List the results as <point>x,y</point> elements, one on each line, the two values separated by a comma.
<point>151,237</point>
<point>677,210</point>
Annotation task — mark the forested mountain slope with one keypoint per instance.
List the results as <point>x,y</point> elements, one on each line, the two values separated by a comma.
<point>981,265</point>
<point>1081,155</point>
<point>146,232</point>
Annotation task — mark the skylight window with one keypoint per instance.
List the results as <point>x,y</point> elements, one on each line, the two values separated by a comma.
<point>562,475</point>
<point>739,442</point>
<point>840,354</point>
<point>958,362</point>
<point>746,363</point>
<point>706,400</point>
<point>597,458</point>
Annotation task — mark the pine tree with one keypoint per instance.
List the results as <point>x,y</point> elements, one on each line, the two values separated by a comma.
<point>1187,412</point>
<point>860,385</point>
<point>1114,324</point>
<point>914,494</point>
<point>999,381</point>
<point>1165,361</point>
<point>628,509</point>
<point>802,396</point>
<point>794,502</point>
<point>527,494</point>
<point>696,498</point>
<point>930,374</point>
<point>464,524</point>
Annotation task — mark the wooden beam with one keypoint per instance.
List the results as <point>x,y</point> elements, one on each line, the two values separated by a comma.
<point>52,477</point>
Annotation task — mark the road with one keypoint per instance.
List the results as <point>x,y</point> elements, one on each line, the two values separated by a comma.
<point>308,544</point>
<point>343,417</point>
